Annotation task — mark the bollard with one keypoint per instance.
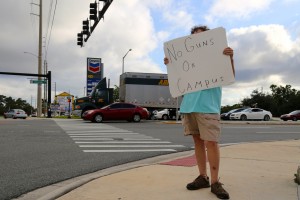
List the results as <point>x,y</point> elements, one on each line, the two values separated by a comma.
<point>297,179</point>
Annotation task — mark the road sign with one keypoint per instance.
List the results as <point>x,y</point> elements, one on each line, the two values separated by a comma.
<point>38,81</point>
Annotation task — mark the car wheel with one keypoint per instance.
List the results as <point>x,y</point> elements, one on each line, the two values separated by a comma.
<point>98,118</point>
<point>294,118</point>
<point>136,118</point>
<point>266,118</point>
<point>243,117</point>
<point>165,117</point>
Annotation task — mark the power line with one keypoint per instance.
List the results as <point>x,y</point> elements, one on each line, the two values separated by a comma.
<point>49,15</point>
<point>47,44</point>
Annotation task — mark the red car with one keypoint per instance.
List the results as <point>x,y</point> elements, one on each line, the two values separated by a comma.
<point>117,111</point>
<point>295,115</point>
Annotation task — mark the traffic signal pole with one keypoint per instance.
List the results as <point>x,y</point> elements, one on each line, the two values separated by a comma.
<point>48,76</point>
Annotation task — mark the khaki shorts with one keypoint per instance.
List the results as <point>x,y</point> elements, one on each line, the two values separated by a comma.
<point>207,125</point>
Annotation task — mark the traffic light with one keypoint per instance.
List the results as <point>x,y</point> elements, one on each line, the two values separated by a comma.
<point>85,27</point>
<point>96,15</point>
<point>93,11</point>
<point>80,39</point>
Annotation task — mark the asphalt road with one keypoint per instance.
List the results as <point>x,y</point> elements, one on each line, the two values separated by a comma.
<point>39,152</point>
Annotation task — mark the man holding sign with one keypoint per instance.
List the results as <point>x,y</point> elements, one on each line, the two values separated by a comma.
<point>198,65</point>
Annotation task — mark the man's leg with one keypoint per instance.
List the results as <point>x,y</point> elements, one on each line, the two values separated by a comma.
<point>200,154</point>
<point>213,154</point>
<point>191,128</point>
<point>202,181</point>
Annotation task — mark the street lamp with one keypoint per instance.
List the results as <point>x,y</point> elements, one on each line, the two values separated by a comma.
<point>123,60</point>
<point>31,54</point>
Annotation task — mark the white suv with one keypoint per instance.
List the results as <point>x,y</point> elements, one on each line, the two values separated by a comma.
<point>166,114</point>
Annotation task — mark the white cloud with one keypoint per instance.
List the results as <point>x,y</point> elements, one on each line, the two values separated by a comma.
<point>132,27</point>
<point>235,9</point>
<point>264,55</point>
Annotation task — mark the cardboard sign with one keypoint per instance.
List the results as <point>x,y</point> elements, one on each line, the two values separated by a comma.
<point>197,62</point>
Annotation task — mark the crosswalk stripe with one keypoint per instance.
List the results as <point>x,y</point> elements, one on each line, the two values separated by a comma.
<point>137,139</point>
<point>127,146</point>
<point>85,134</point>
<point>128,150</point>
<point>93,136</point>
<point>109,139</point>
<point>124,142</point>
<point>105,139</point>
<point>100,131</point>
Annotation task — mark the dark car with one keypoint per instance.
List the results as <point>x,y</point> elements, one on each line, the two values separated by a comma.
<point>117,111</point>
<point>226,116</point>
<point>295,115</point>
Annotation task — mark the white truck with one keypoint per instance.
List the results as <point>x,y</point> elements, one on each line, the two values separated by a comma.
<point>149,90</point>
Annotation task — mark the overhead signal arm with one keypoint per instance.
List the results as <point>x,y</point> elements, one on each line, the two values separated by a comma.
<point>95,16</point>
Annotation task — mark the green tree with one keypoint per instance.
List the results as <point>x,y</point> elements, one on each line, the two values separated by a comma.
<point>283,99</point>
<point>116,93</point>
<point>259,100</point>
<point>228,108</point>
<point>286,99</point>
<point>7,103</point>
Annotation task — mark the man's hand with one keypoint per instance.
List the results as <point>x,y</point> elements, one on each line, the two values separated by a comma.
<point>228,52</point>
<point>166,61</point>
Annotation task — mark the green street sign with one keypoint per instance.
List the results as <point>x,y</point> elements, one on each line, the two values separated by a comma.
<point>38,81</point>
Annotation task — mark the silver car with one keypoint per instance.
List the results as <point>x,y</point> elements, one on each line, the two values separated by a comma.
<point>16,113</point>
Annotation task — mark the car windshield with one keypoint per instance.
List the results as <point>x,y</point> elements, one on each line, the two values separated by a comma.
<point>105,107</point>
<point>247,110</point>
<point>238,110</point>
<point>295,112</point>
<point>162,110</point>
<point>232,111</point>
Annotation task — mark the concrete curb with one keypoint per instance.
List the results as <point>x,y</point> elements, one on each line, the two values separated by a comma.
<point>59,189</point>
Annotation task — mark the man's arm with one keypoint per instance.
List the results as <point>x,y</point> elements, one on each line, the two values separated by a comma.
<point>229,52</point>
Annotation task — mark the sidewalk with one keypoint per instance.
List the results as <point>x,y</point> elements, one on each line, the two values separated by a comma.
<point>251,171</point>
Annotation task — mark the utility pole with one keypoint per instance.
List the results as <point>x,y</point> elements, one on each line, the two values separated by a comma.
<point>39,89</point>
<point>45,88</point>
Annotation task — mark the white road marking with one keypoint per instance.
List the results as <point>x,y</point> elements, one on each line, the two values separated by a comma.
<point>95,136</point>
<point>124,142</point>
<point>128,150</point>
<point>246,127</point>
<point>86,134</point>
<point>127,146</point>
<point>101,131</point>
<point>113,139</point>
<point>278,132</point>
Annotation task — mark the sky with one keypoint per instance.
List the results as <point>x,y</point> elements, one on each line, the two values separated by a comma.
<point>265,36</point>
